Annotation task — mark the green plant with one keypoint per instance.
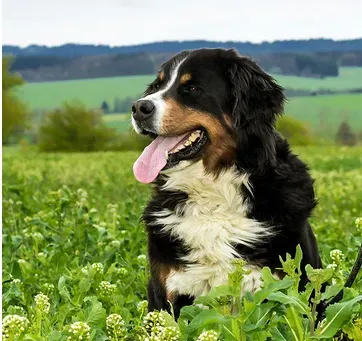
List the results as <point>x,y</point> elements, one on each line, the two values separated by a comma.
<point>74,128</point>
<point>14,111</point>
<point>74,261</point>
<point>297,132</point>
<point>345,135</point>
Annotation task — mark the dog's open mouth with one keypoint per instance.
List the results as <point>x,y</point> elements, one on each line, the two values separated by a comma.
<point>167,151</point>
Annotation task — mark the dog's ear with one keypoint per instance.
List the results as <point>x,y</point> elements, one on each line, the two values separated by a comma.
<point>257,101</point>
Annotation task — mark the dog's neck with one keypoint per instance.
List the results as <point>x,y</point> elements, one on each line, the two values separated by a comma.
<point>191,177</point>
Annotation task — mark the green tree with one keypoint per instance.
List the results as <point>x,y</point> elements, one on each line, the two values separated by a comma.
<point>73,127</point>
<point>105,107</point>
<point>14,110</point>
<point>345,135</point>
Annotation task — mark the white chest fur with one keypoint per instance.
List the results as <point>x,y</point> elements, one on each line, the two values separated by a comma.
<point>212,221</point>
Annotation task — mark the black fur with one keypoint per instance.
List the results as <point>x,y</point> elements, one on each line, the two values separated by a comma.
<point>282,189</point>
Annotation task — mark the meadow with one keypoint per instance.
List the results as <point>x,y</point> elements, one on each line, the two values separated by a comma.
<point>74,255</point>
<point>93,92</point>
<point>323,113</point>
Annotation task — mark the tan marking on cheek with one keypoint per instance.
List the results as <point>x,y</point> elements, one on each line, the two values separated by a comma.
<point>221,147</point>
<point>185,78</point>
<point>161,75</point>
<point>228,120</point>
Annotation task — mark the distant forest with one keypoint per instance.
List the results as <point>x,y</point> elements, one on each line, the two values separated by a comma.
<point>309,58</point>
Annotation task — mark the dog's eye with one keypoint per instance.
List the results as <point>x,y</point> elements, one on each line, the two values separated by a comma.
<point>190,88</point>
<point>156,86</point>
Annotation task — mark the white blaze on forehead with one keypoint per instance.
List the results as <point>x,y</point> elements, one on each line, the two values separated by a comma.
<point>157,97</point>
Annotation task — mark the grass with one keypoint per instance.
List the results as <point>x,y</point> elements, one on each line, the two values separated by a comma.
<point>93,92</point>
<point>325,113</point>
<point>120,122</point>
<point>349,78</point>
<point>71,231</point>
<point>331,110</point>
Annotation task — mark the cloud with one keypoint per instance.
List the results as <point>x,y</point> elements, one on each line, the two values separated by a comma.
<point>124,22</point>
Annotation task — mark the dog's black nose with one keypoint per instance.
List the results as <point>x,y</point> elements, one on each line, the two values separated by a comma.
<point>142,110</point>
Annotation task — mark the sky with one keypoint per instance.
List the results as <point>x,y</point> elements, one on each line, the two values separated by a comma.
<point>127,22</point>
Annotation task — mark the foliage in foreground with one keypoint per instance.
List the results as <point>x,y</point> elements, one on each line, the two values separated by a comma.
<point>75,267</point>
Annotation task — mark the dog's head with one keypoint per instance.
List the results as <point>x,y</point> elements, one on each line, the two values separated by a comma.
<point>209,104</point>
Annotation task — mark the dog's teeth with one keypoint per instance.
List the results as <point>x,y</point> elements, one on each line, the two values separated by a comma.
<point>193,137</point>
<point>166,154</point>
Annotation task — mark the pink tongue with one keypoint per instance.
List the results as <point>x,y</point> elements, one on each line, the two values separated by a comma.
<point>153,158</point>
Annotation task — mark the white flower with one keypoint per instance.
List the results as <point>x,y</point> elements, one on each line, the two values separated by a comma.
<point>358,223</point>
<point>107,289</point>
<point>170,334</point>
<point>154,323</point>
<point>98,267</point>
<point>122,271</point>
<point>13,326</point>
<point>115,327</point>
<point>337,256</point>
<point>208,335</point>
<point>49,288</point>
<point>42,303</point>
<point>332,266</point>
<point>141,306</point>
<point>79,331</point>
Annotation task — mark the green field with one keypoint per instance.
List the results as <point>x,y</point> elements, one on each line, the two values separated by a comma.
<point>93,92</point>
<point>349,78</point>
<point>71,231</point>
<point>120,122</point>
<point>323,113</point>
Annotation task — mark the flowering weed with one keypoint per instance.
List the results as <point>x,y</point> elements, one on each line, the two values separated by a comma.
<point>74,264</point>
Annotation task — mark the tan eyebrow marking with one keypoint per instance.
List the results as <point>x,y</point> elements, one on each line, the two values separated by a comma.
<point>185,78</point>
<point>161,75</point>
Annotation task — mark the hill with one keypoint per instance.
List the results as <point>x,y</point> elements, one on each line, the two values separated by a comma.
<point>73,50</point>
<point>93,92</point>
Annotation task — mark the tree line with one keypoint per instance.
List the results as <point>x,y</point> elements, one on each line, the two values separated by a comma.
<point>296,46</point>
<point>52,68</point>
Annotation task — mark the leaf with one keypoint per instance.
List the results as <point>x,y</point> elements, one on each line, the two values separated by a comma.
<point>205,318</point>
<point>271,285</point>
<point>94,312</point>
<point>62,287</point>
<point>285,299</point>
<point>277,335</point>
<point>231,330</point>
<point>54,336</point>
<point>170,322</point>
<point>260,317</point>
<point>190,312</point>
<point>218,296</point>
<point>336,315</point>
<point>332,291</point>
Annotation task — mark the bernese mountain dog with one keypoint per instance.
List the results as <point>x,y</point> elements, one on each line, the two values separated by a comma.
<point>226,184</point>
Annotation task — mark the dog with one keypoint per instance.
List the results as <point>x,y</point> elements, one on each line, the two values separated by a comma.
<point>226,184</point>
